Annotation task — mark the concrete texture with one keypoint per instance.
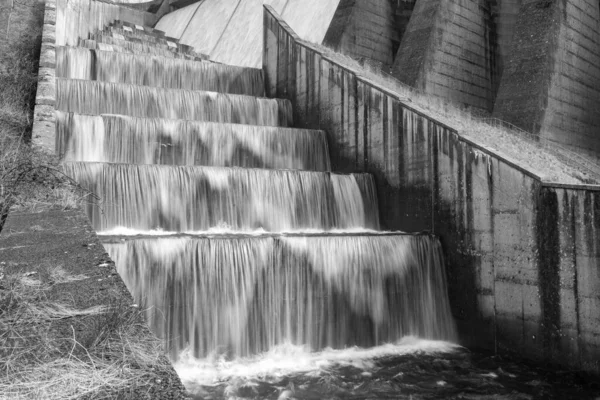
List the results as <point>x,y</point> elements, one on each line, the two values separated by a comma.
<point>522,256</point>
<point>230,31</point>
<point>447,51</point>
<point>364,30</point>
<point>551,83</point>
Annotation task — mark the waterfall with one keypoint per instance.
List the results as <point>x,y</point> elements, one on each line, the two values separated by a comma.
<point>93,97</point>
<point>175,198</point>
<point>80,63</point>
<point>241,296</point>
<point>122,139</point>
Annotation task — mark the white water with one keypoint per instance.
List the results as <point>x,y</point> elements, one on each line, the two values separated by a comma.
<point>288,359</point>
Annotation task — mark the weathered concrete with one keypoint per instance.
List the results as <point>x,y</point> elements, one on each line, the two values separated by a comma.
<point>364,29</point>
<point>447,51</point>
<point>522,257</point>
<point>551,85</point>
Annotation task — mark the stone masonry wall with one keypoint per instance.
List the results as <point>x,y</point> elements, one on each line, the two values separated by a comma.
<point>522,256</point>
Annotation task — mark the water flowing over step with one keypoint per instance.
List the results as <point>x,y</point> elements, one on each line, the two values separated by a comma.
<point>241,296</point>
<point>109,43</point>
<point>80,63</point>
<point>95,98</point>
<point>122,139</point>
<point>186,199</point>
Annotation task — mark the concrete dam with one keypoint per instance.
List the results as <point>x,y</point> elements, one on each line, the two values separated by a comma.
<point>279,212</point>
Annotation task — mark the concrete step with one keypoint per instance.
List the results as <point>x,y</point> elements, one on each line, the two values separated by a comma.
<point>124,139</point>
<point>140,48</point>
<point>82,63</point>
<point>95,98</point>
<point>119,39</point>
<point>140,35</point>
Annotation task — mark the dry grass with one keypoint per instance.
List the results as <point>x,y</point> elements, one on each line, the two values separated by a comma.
<point>549,160</point>
<point>36,363</point>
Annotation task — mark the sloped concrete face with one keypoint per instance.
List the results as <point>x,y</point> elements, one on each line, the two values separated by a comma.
<point>522,256</point>
<point>230,31</point>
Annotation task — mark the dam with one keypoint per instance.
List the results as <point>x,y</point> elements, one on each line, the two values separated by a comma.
<point>289,216</point>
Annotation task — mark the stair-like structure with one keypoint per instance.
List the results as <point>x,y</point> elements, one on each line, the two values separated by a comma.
<point>175,144</point>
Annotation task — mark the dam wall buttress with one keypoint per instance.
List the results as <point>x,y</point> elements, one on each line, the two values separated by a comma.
<point>522,255</point>
<point>447,51</point>
<point>364,29</point>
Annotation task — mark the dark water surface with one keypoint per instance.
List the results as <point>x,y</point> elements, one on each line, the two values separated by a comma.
<point>419,374</point>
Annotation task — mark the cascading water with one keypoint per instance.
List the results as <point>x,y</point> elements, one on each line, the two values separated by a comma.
<point>95,98</point>
<point>261,292</point>
<point>79,63</point>
<point>123,139</point>
<point>197,198</point>
<point>270,255</point>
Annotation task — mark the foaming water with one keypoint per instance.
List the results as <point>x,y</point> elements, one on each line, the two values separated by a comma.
<point>196,198</point>
<point>81,63</point>
<point>122,139</point>
<point>239,296</point>
<point>108,43</point>
<point>288,359</point>
<point>95,98</point>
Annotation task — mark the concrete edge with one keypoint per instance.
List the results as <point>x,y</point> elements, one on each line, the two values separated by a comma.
<point>488,151</point>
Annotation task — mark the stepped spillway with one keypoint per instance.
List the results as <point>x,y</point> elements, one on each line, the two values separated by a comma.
<point>249,241</point>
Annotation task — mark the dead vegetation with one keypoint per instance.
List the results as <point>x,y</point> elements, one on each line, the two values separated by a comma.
<point>109,352</point>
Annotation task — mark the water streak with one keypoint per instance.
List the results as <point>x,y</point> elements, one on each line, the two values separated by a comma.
<point>93,97</point>
<point>198,198</point>
<point>242,296</point>
<point>122,139</point>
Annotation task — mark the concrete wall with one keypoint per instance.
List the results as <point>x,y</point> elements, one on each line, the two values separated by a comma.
<point>522,256</point>
<point>364,29</point>
<point>551,85</point>
<point>447,50</point>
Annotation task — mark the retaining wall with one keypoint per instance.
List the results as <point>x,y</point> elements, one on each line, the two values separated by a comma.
<point>522,255</point>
